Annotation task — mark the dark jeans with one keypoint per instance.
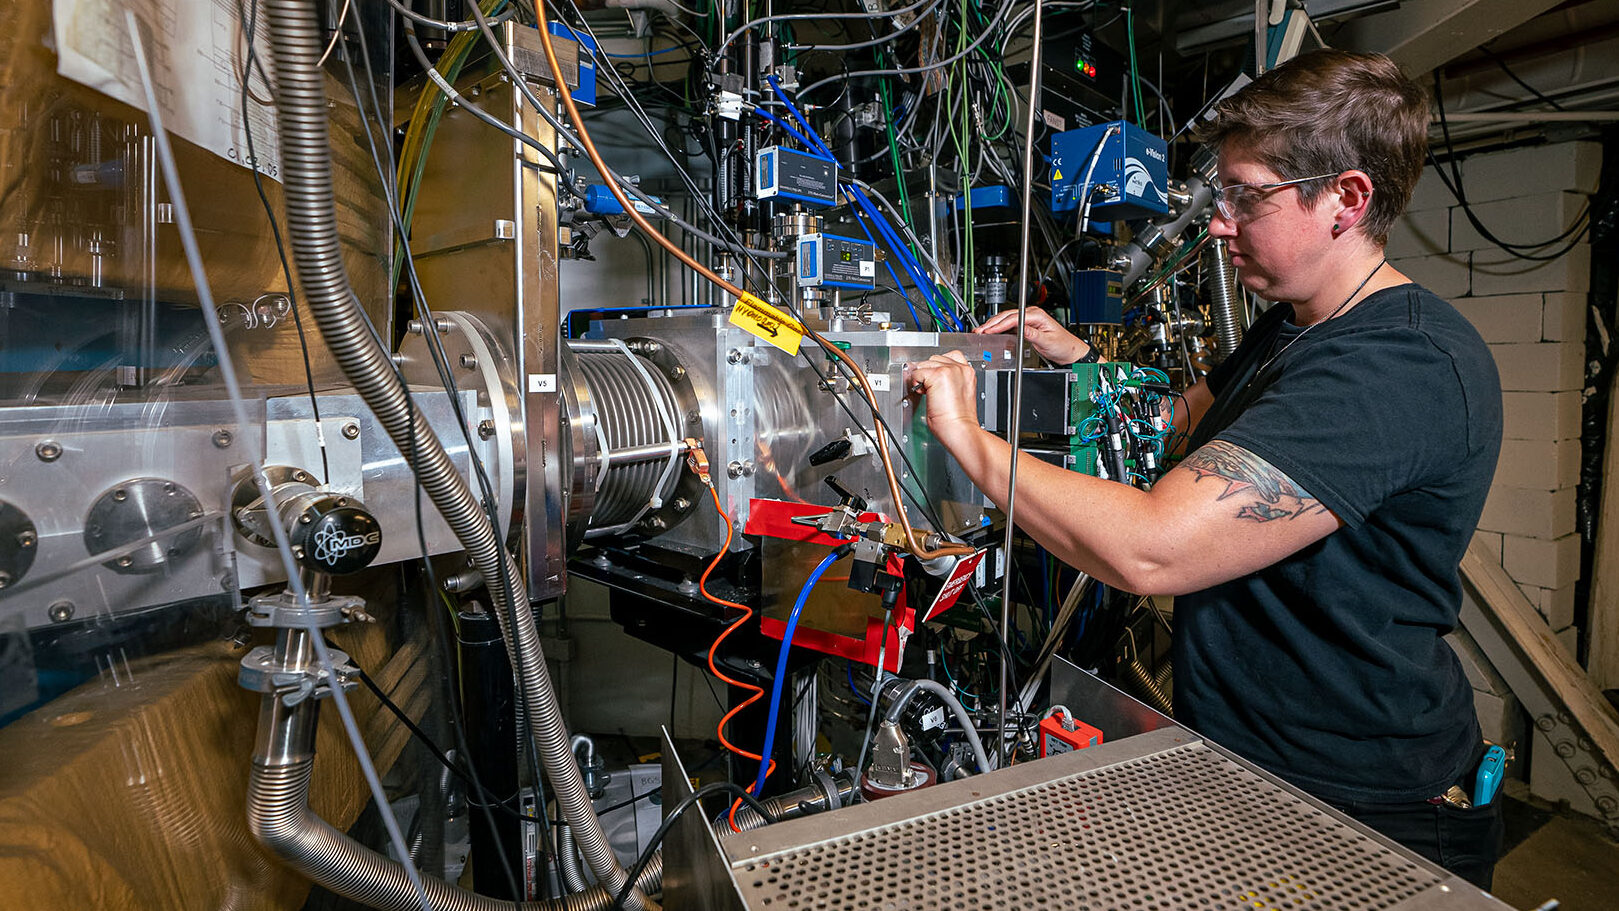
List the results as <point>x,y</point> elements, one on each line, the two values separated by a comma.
<point>1465,842</point>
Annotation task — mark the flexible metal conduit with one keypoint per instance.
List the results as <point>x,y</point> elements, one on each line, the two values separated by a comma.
<point>279,816</point>
<point>1222,287</point>
<point>297,39</point>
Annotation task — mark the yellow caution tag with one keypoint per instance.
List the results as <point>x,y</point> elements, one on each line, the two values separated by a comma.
<point>1056,175</point>
<point>770,324</point>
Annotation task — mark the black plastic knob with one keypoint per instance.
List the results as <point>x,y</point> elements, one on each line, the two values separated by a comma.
<point>336,536</point>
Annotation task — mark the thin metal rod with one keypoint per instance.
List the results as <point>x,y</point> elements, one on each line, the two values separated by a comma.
<point>1015,428</point>
<point>651,452</point>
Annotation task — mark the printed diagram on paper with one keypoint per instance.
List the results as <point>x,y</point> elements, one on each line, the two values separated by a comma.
<point>197,49</point>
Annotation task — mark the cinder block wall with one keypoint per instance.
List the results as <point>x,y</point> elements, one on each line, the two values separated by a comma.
<point>1532,314</point>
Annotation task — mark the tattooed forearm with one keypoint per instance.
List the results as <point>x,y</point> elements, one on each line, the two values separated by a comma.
<point>1261,491</point>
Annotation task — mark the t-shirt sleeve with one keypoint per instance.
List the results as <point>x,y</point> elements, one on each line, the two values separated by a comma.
<point>1357,418</point>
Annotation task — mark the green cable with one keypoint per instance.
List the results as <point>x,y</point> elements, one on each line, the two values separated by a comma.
<point>904,198</point>
<point>968,256</point>
<point>449,65</point>
<point>1135,72</point>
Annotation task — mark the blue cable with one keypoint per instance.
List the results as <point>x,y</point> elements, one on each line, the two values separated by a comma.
<point>802,139</point>
<point>793,109</point>
<point>852,687</point>
<point>890,236</point>
<point>781,659</point>
<point>898,285</point>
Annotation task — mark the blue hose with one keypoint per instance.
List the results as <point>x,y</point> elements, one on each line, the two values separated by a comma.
<point>781,660</point>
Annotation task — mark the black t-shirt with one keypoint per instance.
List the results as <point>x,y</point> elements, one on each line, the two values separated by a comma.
<point>1328,667</point>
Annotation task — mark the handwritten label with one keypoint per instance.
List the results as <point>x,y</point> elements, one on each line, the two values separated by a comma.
<point>770,324</point>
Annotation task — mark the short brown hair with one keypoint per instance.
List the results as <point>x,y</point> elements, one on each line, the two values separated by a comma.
<point>1332,111</point>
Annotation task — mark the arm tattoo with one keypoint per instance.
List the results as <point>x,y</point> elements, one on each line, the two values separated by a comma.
<point>1263,493</point>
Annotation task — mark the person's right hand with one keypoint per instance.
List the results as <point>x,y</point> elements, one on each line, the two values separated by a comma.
<point>1047,336</point>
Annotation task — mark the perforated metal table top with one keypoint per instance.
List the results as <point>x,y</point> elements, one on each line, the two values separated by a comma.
<point>1180,827</point>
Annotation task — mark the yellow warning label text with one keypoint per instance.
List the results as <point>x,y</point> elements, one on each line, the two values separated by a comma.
<point>767,322</point>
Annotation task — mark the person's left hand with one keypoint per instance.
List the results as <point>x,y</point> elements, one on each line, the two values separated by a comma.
<point>951,388</point>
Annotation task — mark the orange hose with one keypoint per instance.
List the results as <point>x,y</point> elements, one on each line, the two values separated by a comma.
<point>747,614</point>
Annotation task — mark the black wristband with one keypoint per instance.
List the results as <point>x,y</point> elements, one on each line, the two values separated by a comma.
<point>1092,355</point>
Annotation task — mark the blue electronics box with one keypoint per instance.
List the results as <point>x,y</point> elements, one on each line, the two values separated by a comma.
<point>787,174</point>
<point>1131,177</point>
<point>827,260</point>
<point>585,91</point>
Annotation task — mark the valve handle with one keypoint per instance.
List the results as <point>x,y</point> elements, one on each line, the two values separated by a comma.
<point>336,535</point>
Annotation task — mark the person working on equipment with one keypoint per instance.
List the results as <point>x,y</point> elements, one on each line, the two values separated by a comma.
<point>1338,463</point>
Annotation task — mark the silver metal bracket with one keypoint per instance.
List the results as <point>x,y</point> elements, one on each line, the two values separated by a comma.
<point>281,610</point>
<point>261,673</point>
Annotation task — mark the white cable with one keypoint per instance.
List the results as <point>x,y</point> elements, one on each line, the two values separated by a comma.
<point>1085,186</point>
<point>188,240</point>
<point>336,34</point>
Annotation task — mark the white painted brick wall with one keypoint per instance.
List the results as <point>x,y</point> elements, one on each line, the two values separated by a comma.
<point>1494,272</point>
<point>1575,166</point>
<point>1563,317</point>
<point>1530,513</point>
<point>1523,220</point>
<point>1505,317</point>
<point>1540,415</point>
<point>1547,564</point>
<point>1420,234</point>
<point>1540,366</point>
<point>1491,542</point>
<point>1448,276</point>
<point>1532,315</point>
<point>1538,464</point>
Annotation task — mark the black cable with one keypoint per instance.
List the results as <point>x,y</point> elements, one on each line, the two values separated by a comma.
<point>1514,77</point>
<point>483,799</point>
<point>430,332</point>
<point>674,814</point>
<point>251,24</point>
<point>1454,184</point>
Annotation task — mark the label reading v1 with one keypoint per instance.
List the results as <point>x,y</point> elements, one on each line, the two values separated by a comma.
<point>768,323</point>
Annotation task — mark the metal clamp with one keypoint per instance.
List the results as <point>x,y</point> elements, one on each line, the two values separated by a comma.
<point>282,610</point>
<point>261,673</point>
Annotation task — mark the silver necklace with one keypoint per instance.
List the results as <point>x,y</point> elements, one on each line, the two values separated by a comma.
<point>1272,359</point>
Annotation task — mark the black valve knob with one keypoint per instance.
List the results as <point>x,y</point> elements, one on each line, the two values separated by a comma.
<point>336,535</point>
<point>831,452</point>
<point>856,503</point>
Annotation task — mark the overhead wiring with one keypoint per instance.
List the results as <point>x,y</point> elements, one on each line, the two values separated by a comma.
<point>719,52</point>
<point>1570,236</point>
<point>926,68</point>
